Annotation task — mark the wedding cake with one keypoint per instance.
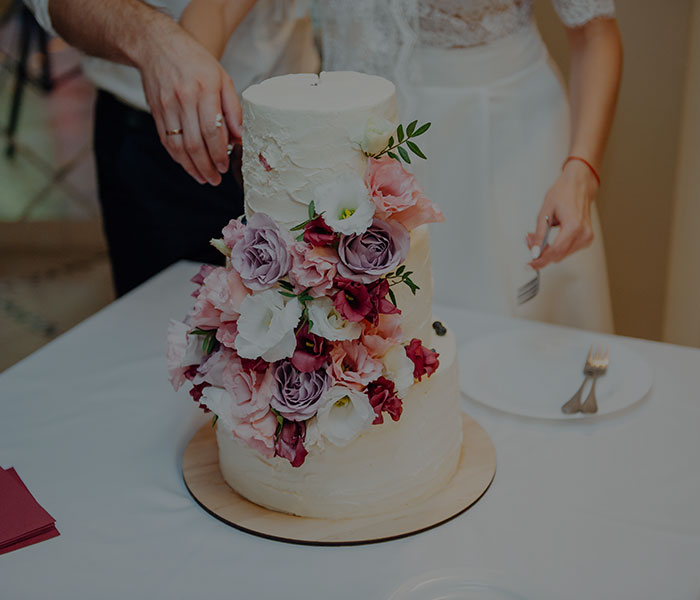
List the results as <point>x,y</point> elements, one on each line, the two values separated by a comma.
<point>334,390</point>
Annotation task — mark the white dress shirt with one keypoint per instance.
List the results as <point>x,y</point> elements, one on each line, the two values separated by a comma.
<point>275,38</point>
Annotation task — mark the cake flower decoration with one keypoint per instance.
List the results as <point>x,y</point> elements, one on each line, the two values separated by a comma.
<point>376,135</point>
<point>345,204</point>
<point>297,395</point>
<point>328,323</point>
<point>344,414</point>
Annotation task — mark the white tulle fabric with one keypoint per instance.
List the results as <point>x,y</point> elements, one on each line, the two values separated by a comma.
<point>377,34</point>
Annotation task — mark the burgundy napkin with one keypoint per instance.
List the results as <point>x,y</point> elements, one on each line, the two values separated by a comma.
<point>22,520</point>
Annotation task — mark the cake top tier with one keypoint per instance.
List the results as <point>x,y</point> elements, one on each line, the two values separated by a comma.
<point>303,131</point>
<point>329,92</point>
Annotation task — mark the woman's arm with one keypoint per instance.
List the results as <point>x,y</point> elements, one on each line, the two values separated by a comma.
<point>212,22</point>
<point>596,68</point>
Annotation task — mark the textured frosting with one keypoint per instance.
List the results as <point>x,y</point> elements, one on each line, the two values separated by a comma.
<point>300,131</point>
<point>417,311</point>
<point>387,467</point>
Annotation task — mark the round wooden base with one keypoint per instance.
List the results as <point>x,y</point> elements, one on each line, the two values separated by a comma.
<point>477,467</point>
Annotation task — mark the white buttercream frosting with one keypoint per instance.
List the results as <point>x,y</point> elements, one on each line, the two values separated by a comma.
<point>301,131</point>
<point>385,468</point>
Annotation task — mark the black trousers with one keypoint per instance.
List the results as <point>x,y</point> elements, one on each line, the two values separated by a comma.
<point>154,213</point>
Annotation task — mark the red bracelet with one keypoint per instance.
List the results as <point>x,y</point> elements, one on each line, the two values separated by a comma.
<point>585,162</point>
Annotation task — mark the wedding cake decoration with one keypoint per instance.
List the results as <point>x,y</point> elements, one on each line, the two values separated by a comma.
<point>318,329</point>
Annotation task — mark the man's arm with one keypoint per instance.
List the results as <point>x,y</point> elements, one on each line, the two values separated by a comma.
<point>184,84</point>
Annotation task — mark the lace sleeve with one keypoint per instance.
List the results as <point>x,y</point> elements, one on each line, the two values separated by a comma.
<point>574,13</point>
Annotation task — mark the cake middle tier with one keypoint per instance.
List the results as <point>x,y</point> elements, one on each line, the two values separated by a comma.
<point>417,310</point>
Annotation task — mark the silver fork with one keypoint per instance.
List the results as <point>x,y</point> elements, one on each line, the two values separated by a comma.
<point>529,290</point>
<point>593,368</point>
<point>599,366</point>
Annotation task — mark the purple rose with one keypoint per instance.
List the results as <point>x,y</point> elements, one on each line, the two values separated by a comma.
<point>297,395</point>
<point>259,253</point>
<point>369,255</point>
<point>290,443</point>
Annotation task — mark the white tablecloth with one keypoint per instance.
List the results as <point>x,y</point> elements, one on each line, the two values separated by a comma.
<point>609,509</point>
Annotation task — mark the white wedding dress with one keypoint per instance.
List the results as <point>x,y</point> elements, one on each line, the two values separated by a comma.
<point>479,71</point>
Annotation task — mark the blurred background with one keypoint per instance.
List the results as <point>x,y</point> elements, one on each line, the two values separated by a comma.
<point>54,269</point>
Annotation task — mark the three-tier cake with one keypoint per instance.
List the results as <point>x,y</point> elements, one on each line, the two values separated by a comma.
<point>334,390</point>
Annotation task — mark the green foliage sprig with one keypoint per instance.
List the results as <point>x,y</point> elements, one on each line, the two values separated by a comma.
<point>304,298</point>
<point>405,137</point>
<point>208,338</point>
<point>312,216</point>
<point>401,275</point>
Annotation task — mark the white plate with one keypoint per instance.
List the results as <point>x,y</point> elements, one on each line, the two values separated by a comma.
<point>532,372</point>
<point>453,584</point>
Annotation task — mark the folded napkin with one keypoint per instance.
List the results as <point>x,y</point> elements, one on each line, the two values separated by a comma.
<point>22,520</point>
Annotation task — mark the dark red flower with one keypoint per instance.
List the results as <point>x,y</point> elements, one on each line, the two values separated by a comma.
<point>425,361</point>
<point>196,393</point>
<point>311,352</point>
<point>191,372</point>
<point>254,364</point>
<point>352,300</point>
<point>381,305</point>
<point>383,398</point>
<point>317,233</point>
<point>290,442</point>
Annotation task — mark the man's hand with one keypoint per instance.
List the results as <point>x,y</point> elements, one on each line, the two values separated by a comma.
<point>186,88</point>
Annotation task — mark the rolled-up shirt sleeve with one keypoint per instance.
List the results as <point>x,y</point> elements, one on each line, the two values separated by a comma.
<point>40,8</point>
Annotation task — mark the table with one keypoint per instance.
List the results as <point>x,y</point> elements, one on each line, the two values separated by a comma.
<point>609,509</point>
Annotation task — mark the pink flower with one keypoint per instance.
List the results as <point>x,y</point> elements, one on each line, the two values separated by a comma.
<point>224,289</point>
<point>251,391</point>
<point>317,233</point>
<point>226,334</point>
<point>233,232</point>
<point>203,314</point>
<point>311,352</point>
<point>397,195</point>
<point>204,270</point>
<point>254,364</point>
<point>290,443</point>
<point>425,361</point>
<point>259,434</point>
<point>313,268</point>
<point>211,371</point>
<point>383,398</point>
<point>382,336</point>
<point>352,365</point>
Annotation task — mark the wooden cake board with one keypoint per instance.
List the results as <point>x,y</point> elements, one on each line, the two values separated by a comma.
<point>477,467</point>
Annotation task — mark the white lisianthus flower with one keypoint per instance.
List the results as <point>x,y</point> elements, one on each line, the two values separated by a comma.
<point>313,434</point>
<point>219,401</point>
<point>376,135</point>
<point>344,414</point>
<point>345,204</point>
<point>328,324</point>
<point>266,326</point>
<point>399,368</point>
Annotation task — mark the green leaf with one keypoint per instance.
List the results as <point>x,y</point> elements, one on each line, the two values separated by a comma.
<point>404,154</point>
<point>399,133</point>
<point>411,128</point>
<point>208,345</point>
<point>288,294</point>
<point>214,420</point>
<point>422,129</point>
<point>312,210</point>
<point>301,225</point>
<point>392,297</point>
<point>286,285</point>
<point>400,270</point>
<point>415,149</point>
<point>407,273</point>
<point>300,237</point>
<point>390,143</point>
<point>392,155</point>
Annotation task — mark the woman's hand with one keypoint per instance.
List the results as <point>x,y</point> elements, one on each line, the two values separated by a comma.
<point>568,206</point>
<point>186,88</point>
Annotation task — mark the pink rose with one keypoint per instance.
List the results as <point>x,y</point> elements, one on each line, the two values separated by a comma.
<point>352,365</point>
<point>204,270</point>
<point>425,361</point>
<point>203,314</point>
<point>382,336</point>
<point>313,268</point>
<point>397,195</point>
<point>226,334</point>
<point>383,398</point>
<point>175,354</point>
<point>251,391</point>
<point>224,289</point>
<point>233,232</point>
<point>211,371</point>
<point>259,434</point>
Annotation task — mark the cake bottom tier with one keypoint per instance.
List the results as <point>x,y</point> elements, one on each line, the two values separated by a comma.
<point>387,467</point>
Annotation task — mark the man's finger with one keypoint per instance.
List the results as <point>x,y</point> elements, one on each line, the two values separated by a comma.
<point>211,123</point>
<point>232,109</point>
<point>174,145</point>
<point>195,146</point>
